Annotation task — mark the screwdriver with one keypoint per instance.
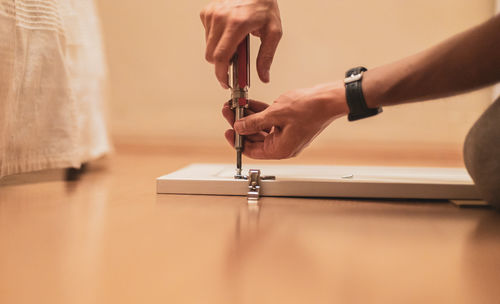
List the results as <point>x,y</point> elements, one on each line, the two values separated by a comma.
<point>239,94</point>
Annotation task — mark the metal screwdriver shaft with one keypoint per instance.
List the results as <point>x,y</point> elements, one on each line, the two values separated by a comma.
<point>238,163</point>
<point>239,97</point>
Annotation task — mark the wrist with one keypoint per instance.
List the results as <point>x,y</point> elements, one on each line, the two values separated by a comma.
<point>268,3</point>
<point>354,90</point>
<point>333,97</point>
<point>371,89</point>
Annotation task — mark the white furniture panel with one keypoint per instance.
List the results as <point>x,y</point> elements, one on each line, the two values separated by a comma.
<point>324,181</point>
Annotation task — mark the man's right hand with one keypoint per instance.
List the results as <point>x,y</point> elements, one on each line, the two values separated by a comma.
<point>284,128</point>
<point>227,22</point>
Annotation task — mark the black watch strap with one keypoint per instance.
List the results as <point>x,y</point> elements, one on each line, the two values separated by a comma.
<point>354,95</point>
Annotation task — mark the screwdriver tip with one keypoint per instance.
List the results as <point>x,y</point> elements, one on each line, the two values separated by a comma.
<point>238,162</point>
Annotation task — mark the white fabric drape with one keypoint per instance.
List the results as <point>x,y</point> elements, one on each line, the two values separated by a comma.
<point>52,75</point>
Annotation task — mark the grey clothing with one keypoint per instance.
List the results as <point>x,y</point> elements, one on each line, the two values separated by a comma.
<point>482,154</point>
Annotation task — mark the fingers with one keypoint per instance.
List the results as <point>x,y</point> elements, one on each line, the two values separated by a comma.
<point>206,16</point>
<point>254,106</point>
<point>228,113</point>
<point>229,134</point>
<point>231,37</point>
<point>214,33</point>
<point>234,33</point>
<point>228,22</point>
<point>268,46</point>
<point>257,106</point>
<point>256,137</point>
<point>203,18</point>
<point>215,24</point>
<point>221,73</point>
<point>262,149</point>
<point>252,148</point>
<point>255,123</point>
<point>276,145</point>
<point>255,150</point>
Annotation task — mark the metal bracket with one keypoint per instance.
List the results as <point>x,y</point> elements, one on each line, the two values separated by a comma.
<point>253,194</point>
<point>254,186</point>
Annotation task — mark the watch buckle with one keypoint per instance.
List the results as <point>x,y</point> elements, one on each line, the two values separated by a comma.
<point>353,78</point>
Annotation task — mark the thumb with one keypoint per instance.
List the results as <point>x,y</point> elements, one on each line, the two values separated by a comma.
<point>253,123</point>
<point>268,46</point>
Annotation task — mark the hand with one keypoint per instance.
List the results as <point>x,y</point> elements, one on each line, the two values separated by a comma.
<point>227,22</point>
<point>285,128</point>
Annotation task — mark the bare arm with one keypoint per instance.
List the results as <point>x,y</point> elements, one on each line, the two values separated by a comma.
<point>465,62</point>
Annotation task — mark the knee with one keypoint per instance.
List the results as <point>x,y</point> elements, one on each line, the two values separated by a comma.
<point>482,154</point>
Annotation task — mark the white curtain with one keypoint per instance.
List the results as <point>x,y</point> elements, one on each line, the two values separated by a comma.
<point>51,85</point>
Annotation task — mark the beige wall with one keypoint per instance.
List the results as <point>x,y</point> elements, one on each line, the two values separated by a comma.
<point>162,89</point>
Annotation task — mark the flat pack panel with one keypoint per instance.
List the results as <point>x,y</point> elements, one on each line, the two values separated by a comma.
<point>324,181</point>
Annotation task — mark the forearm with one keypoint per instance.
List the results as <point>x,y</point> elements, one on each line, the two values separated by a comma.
<point>467,61</point>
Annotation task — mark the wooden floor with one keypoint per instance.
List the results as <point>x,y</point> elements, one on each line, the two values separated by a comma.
<point>109,238</point>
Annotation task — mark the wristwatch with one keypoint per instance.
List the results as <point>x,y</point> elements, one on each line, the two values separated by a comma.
<point>354,95</point>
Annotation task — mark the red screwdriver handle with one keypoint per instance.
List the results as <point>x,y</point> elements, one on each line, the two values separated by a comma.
<point>243,60</point>
<point>243,55</point>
